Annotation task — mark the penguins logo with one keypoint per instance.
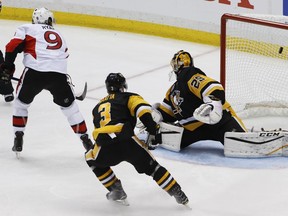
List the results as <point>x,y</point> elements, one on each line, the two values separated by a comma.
<point>176,101</point>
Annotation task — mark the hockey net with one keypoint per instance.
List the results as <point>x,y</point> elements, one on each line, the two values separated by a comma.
<point>254,64</point>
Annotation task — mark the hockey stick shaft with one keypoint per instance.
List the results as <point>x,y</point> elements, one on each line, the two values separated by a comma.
<point>16,79</point>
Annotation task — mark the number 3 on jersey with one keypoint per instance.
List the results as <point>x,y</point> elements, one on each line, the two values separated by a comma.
<point>104,111</point>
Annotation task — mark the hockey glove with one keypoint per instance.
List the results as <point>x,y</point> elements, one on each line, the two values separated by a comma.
<point>210,112</point>
<point>154,140</point>
<point>6,72</point>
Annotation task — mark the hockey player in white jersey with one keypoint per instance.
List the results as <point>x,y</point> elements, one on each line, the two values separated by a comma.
<point>45,60</point>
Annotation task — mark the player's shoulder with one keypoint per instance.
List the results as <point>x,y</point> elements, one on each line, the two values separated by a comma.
<point>24,26</point>
<point>29,27</point>
<point>198,71</point>
<point>131,96</point>
<point>130,93</point>
<point>32,27</point>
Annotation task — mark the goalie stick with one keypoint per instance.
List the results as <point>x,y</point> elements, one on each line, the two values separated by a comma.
<point>80,97</point>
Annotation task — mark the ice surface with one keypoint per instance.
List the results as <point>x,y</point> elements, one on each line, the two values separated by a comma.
<point>52,178</point>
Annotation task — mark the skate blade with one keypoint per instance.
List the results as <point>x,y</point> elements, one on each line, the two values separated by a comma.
<point>187,206</point>
<point>17,155</point>
<point>123,202</point>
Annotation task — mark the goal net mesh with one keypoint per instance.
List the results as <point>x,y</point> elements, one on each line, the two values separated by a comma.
<point>254,64</point>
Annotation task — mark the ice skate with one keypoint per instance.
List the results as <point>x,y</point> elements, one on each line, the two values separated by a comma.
<point>117,194</point>
<point>179,195</point>
<point>18,143</point>
<point>87,143</point>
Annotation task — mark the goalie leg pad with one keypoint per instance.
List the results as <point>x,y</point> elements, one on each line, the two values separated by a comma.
<point>254,144</point>
<point>171,136</point>
<point>285,145</point>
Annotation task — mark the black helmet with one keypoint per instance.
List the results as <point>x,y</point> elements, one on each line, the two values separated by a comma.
<point>115,82</point>
<point>180,60</point>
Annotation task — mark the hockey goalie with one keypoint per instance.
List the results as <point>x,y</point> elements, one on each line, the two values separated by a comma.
<point>195,109</point>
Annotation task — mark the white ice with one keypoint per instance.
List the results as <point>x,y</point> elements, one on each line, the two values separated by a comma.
<point>52,179</point>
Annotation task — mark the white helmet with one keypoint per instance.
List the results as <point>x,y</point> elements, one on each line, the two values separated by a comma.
<point>43,16</point>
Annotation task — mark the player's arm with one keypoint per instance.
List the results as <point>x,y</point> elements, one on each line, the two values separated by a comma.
<point>141,109</point>
<point>15,46</point>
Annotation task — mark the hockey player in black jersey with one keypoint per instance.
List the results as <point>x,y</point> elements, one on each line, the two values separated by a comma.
<point>196,103</point>
<point>114,118</point>
<point>6,88</point>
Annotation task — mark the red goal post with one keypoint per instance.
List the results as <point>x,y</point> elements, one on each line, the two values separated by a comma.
<point>254,63</point>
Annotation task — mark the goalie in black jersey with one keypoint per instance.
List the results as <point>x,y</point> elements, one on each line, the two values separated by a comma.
<point>196,103</point>
<point>6,88</point>
<point>114,118</point>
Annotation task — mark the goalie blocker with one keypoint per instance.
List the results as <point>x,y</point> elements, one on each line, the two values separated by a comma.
<point>256,144</point>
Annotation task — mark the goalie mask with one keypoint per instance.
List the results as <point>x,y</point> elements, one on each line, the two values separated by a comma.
<point>115,82</point>
<point>43,16</point>
<point>180,60</point>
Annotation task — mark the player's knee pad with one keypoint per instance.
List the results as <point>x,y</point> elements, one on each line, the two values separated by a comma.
<point>151,168</point>
<point>73,114</point>
<point>20,108</point>
<point>147,168</point>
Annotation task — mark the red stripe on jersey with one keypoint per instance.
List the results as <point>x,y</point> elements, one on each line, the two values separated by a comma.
<point>30,46</point>
<point>19,121</point>
<point>13,44</point>
<point>80,128</point>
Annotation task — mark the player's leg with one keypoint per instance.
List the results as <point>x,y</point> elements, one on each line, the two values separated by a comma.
<point>64,97</point>
<point>27,89</point>
<point>99,159</point>
<point>144,162</point>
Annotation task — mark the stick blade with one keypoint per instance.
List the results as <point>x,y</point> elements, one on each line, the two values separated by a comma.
<point>83,95</point>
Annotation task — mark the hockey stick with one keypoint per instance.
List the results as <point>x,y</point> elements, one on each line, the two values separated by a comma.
<point>16,79</point>
<point>80,97</point>
<point>83,95</point>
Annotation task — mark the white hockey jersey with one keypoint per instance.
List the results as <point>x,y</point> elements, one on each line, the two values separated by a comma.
<point>44,48</point>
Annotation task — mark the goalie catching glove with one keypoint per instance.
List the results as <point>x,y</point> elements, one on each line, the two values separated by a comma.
<point>210,112</point>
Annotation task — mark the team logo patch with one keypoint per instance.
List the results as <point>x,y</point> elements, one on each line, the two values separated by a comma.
<point>176,101</point>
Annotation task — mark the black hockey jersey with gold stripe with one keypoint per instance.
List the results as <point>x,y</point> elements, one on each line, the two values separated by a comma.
<point>187,94</point>
<point>114,110</point>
